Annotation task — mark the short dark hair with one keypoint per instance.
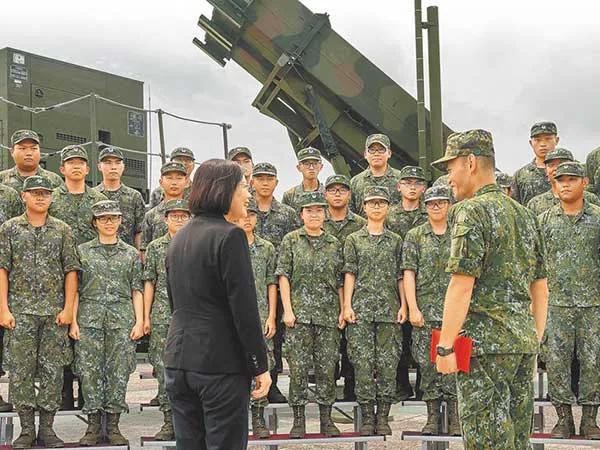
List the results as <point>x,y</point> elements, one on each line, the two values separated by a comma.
<point>214,183</point>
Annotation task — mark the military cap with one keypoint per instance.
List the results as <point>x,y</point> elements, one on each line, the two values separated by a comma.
<point>73,151</point>
<point>377,192</point>
<point>110,152</point>
<point>309,153</point>
<point>379,138</point>
<point>570,168</point>
<point>503,180</point>
<point>264,168</point>
<point>182,151</point>
<point>172,167</point>
<point>337,179</point>
<point>312,199</point>
<point>37,182</point>
<point>252,206</point>
<point>476,142</point>
<point>437,193</point>
<point>559,153</point>
<point>106,208</point>
<point>412,172</point>
<point>543,128</point>
<point>176,205</point>
<point>239,151</point>
<point>21,135</point>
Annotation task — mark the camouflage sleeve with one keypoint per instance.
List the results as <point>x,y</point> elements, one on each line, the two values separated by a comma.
<point>410,252</point>
<point>514,187</point>
<point>69,254</point>
<point>271,278</point>
<point>350,256</point>
<point>5,248</point>
<point>467,248</point>
<point>339,266</point>
<point>592,198</point>
<point>286,258</point>
<point>286,199</point>
<point>540,250</point>
<point>137,283</point>
<point>150,273</point>
<point>146,232</point>
<point>16,205</point>
<point>139,212</point>
<point>353,199</point>
<point>399,272</point>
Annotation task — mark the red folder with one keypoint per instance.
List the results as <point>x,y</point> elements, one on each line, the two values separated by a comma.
<point>463,347</point>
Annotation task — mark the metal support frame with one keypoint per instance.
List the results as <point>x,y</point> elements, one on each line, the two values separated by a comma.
<point>93,154</point>
<point>161,135</point>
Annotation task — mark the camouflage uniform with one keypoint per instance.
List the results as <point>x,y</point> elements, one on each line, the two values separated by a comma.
<point>158,195</point>
<point>496,241</point>
<point>292,196</point>
<point>528,182</point>
<point>313,266</point>
<point>592,164</point>
<point>400,221</point>
<point>426,254</point>
<point>37,259</point>
<point>543,202</point>
<point>13,179</point>
<point>274,224</point>
<point>341,230</point>
<point>361,182</point>
<point>104,354</point>
<point>10,203</point>
<point>375,340</point>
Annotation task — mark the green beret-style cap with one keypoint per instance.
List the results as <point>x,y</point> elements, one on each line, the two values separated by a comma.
<point>437,193</point>
<point>172,167</point>
<point>177,205</point>
<point>239,151</point>
<point>337,179</point>
<point>312,199</point>
<point>111,152</point>
<point>182,151</point>
<point>412,172</point>
<point>21,135</point>
<point>543,128</point>
<point>379,138</point>
<point>264,168</point>
<point>377,192</point>
<point>37,182</point>
<point>572,168</point>
<point>559,153</point>
<point>106,208</point>
<point>309,153</point>
<point>73,151</point>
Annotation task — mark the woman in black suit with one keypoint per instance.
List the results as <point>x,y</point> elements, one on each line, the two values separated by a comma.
<point>215,343</point>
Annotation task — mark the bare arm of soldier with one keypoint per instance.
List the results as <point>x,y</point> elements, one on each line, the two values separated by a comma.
<point>270,326</point>
<point>538,291</point>
<point>410,291</point>
<point>137,241</point>
<point>65,317</point>
<point>349,280</point>
<point>341,321</point>
<point>74,327</point>
<point>138,306</point>
<point>288,314</point>
<point>403,311</point>
<point>148,300</point>
<point>6,318</point>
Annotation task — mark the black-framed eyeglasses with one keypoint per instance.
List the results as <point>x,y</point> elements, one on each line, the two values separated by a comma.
<point>106,219</point>
<point>437,204</point>
<point>339,190</point>
<point>311,164</point>
<point>376,150</point>
<point>377,203</point>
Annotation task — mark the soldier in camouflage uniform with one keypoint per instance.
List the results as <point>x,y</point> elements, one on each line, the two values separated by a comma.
<point>572,233</point>
<point>530,180</point>
<point>425,253</point>
<point>157,310</point>
<point>498,294</point>
<point>243,157</point>
<point>274,221</point>
<point>264,261</point>
<point>373,309</point>
<point>543,202</point>
<point>592,164</point>
<point>25,150</point>
<point>310,278</point>
<point>341,222</point>
<point>379,173</point>
<point>410,211</point>
<point>182,156</point>
<point>504,181</point>
<point>172,181</point>
<point>309,165</point>
<point>109,320</point>
<point>38,270</point>
<point>131,203</point>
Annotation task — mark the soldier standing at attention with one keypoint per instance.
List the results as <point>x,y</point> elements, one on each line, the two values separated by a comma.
<point>410,211</point>
<point>379,173</point>
<point>38,285</point>
<point>530,180</point>
<point>504,182</point>
<point>25,151</point>
<point>109,319</point>
<point>157,310</point>
<point>182,156</point>
<point>242,156</point>
<point>572,233</point>
<point>309,165</point>
<point>373,308</point>
<point>264,262</point>
<point>425,253</point>
<point>131,203</point>
<point>173,179</point>
<point>310,279</point>
<point>497,293</point>
<point>273,221</point>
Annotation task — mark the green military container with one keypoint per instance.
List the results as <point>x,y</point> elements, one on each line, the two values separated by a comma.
<point>324,91</point>
<point>37,81</point>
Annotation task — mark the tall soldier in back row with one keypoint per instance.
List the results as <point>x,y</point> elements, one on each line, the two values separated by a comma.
<point>184,156</point>
<point>497,293</point>
<point>309,165</point>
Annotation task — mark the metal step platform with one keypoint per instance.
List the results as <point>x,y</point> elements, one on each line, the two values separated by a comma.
<point>76,446</point>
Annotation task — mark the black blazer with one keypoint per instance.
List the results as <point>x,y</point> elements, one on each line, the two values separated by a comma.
<point>215,326</point>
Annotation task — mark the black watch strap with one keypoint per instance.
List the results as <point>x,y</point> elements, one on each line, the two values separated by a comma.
<point>442,351</point>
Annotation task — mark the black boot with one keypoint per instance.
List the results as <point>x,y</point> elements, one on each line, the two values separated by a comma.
<point>46,435</point>
<point>27,437</point>
<point>349,385</point>
<point>93,434</point>
<point>298,430</point>
<point>327,426</point>
<point>432,427</point>
<point>367,411</point>
<point>453,418</point>
<point>5,406</point>
<point>404,390</point>
<point>80,400</point>
<point>112,430</point>
<point>154,401</point>
<point>275,395</point>
<point>382,428</point>
<point>259,427</point>
<point>565,427</point>
<point>588,428</point>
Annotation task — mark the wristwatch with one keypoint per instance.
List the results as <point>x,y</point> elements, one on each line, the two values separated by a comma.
<point>442,351</point>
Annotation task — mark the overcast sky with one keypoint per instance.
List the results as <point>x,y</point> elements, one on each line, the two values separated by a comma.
<point>505,65</point>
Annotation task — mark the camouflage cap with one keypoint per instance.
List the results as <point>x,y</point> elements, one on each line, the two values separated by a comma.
<point>110,152</point>
<point>21,135</point>
<point>37,182</point>
<point>172,167</point>
<point>503,180</point>
<point>559,153</point>
<point>182,151</point>
<point>377,192</point>
<point>337,179</point>
<point>176,205</point>
<point>543,128</point>
<point>437,193</point>
<point>471,142</point>
<point>309,153</point>
<point>252,205</point>
<point>572,168</point>
<point>73,151</point>
<point>412,172</point>
<point>379,138</point>
<point>106,208</point>
<point>312,199</point>
<point>264,168</point>
<point>239,151</point>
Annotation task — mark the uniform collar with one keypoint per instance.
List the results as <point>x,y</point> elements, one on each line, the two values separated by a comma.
<point>365,232</point>
<point>22,220</point>
<point>387,173</point>
<point>96,243</point>
<point>492,187</point>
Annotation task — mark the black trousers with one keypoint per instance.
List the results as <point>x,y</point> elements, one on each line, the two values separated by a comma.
<point>210,412</point>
